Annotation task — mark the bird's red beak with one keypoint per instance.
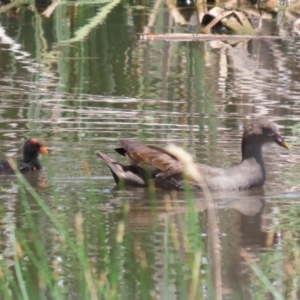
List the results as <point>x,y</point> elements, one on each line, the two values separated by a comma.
<point>43,150</point>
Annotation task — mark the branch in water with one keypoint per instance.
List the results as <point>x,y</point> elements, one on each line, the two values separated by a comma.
<point>203,37</point>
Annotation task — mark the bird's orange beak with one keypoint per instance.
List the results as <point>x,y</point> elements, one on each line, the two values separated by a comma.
<point>43,150</point>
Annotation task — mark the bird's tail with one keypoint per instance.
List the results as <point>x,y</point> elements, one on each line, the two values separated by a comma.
<point>127,174</point>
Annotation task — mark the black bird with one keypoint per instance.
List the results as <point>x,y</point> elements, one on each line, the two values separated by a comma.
<point>31,150</point>
<point>154,164</point>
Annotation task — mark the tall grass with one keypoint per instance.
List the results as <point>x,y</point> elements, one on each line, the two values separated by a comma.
<point>64,260</point>
<point>66,270</point>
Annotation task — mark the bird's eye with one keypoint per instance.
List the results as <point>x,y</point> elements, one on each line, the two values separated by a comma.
<point>268,132</point>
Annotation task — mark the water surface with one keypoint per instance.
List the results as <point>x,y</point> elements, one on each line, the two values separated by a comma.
<point>82,95</point>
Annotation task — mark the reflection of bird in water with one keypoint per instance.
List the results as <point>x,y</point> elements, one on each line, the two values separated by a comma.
<point>145,205</point>
<point>163,223</point>
<point>153,164</point>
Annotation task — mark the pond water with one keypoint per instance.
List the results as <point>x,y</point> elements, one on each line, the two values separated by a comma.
<point>80,88</point>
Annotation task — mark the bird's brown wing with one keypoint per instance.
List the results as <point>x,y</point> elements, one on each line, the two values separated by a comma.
<point>157,159</point>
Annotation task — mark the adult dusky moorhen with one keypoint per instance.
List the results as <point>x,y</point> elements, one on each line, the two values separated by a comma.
<point>31,150</point>
<point>151,163</point>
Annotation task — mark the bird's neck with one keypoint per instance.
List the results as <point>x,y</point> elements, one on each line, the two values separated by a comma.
<point>252,150</point>
<point>34,162</point>
<point>252,159</point>
<point>27,158</point>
